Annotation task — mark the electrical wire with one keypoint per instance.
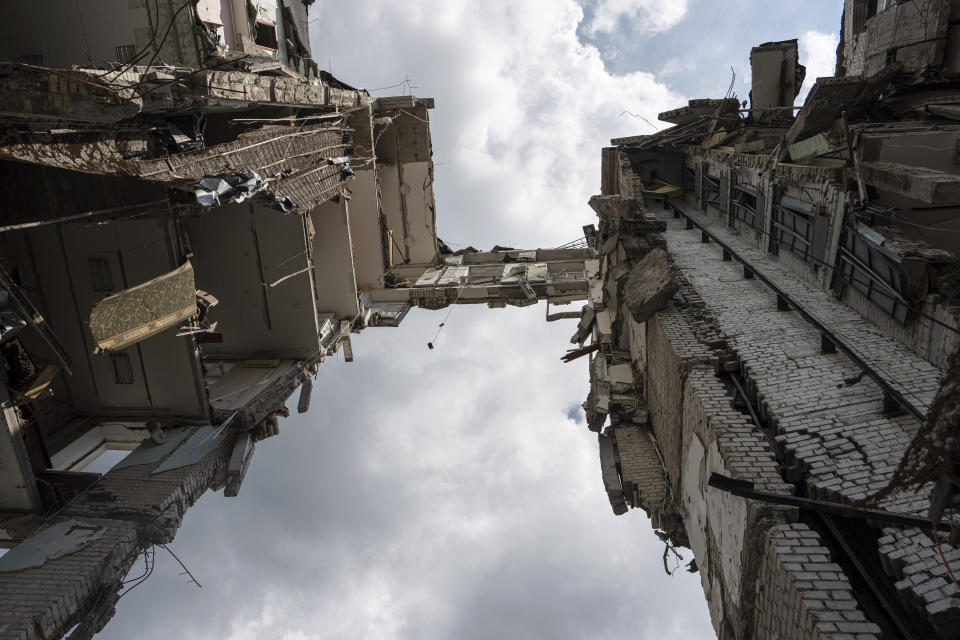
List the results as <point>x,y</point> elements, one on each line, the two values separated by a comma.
<point>147,574</point>
<point>143,52</point>
<point>180,562</point>
<point>413,116</point>
<point>166,34</point>
<point>430,344</point>
<point>406,82</point>
<point>61,74</point>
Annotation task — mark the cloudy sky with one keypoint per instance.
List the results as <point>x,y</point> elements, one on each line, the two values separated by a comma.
<point>455,493</point>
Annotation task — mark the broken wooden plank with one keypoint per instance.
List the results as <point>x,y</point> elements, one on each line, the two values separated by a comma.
<point>573,354</point>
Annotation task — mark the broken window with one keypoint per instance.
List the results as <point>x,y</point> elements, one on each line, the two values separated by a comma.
<point>100,275</point>
<point>711,190</point>
<point>863,10</point>
<point>799,230</point>
<point>122,369</point>
<point>873,270</point>
<point>126,53</point>
<point>266,35</point>
<point>746,203</point>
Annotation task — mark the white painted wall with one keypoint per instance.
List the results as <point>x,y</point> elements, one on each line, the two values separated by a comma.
<point>365,230</point>
<point>418,237</point>
<point>333,257</point>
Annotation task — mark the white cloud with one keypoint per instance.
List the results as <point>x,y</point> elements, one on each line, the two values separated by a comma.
<point>644,16</point>
<point>523,107</point>
<point>427,494</point>
<point>818,52</point>
<point>676,65</point>
<point>445,493</point>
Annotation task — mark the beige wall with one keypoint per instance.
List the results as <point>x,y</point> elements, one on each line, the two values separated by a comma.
<point>365,230</point>
<point>237,248</point>
<point>336,287</point>
<point>66,32</point>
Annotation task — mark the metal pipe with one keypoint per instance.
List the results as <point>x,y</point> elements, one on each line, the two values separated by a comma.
<point>85,214</point>
<point>745,489</point>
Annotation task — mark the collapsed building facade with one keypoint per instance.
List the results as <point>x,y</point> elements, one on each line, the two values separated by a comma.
<point>772,321</point>
<point>193,217</point>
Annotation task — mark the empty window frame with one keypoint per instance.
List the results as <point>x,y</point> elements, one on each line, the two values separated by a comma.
<point>799,230</point>
<point>265,35</point>
<point>746,206</point>
<point>122,368</point>
<point>711,190</point>
<point>100,275</point>
<point>874,271</point>
<point>126,53</point>
<point>863,10</point>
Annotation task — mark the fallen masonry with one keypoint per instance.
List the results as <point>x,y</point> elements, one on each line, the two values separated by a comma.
<point>189,232</point>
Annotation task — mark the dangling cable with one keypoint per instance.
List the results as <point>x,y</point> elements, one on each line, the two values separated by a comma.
<point>446,317</point>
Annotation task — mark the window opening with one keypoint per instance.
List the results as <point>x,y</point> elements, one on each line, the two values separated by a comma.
<point>863,10</point>
<point>874,271</point>
<point>799,230</point>
<point>266,35</point>
<point>711,190</point>
<point>107,460</point>
<point>122,369</point>
<point>745,205</point>
<point>126,53</point>
<point>100,275</point>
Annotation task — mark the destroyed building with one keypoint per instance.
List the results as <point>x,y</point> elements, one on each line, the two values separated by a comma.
<point>773,311</point>
<point>193,217</point>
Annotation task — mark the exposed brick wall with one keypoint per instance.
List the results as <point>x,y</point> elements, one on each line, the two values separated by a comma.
<point>709,414</point>
<point>921,582</point>
<point>644,483</point>
<point>629,183</point>
<point>139,510</point>
<point>832,432</point>
<point>802,595</point>
<point>693,419</point>
<point>667,335</point>
<point>46,601</point>
<point>734,528</point>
